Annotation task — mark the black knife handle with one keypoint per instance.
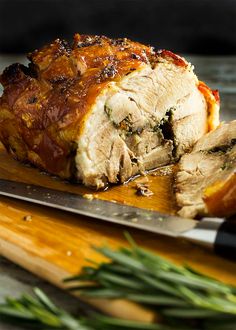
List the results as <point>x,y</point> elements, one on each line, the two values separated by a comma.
<point>225,242</point>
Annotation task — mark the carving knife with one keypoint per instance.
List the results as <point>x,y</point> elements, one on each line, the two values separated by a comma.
<point>215,233</point>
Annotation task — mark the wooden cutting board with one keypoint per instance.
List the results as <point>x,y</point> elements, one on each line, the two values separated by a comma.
<point>54,244</point>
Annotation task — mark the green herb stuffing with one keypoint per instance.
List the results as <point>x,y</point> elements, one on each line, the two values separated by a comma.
<point>223,148</point>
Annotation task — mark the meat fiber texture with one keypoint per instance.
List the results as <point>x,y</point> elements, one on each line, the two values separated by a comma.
<point>210,167</point>
<point>102,110</point>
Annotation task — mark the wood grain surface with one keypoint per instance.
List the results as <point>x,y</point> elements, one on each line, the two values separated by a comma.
<point>55,244</point>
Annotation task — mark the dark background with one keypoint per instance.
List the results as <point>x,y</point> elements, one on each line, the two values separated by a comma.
<point>185,26</point>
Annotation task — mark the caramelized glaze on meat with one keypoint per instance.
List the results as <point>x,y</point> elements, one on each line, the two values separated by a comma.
<point>44,106</point>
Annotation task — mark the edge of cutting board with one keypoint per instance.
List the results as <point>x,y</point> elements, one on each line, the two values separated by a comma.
<point>54,244</point>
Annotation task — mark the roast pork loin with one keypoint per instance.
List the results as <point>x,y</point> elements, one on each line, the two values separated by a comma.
<point>103,110</point>
<point>206,181</point>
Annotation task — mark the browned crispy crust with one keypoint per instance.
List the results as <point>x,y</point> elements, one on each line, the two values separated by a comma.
<point>44,105</point>
<point>220,197</point>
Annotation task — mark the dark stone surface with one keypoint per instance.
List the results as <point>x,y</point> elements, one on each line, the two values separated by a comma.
<point>197,27</point>
<point>219,72</point>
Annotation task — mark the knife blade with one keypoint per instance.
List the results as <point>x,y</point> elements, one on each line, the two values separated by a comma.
<point>213,233</point>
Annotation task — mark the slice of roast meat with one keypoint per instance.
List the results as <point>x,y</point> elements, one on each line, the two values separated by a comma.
<point>103,110</point>
<point>206,181</point>
<point>220,197</point>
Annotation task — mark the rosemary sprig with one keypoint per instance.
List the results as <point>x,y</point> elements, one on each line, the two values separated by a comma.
<point>39,312</point>
<point>177,292</point>
<point>183,297</point>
